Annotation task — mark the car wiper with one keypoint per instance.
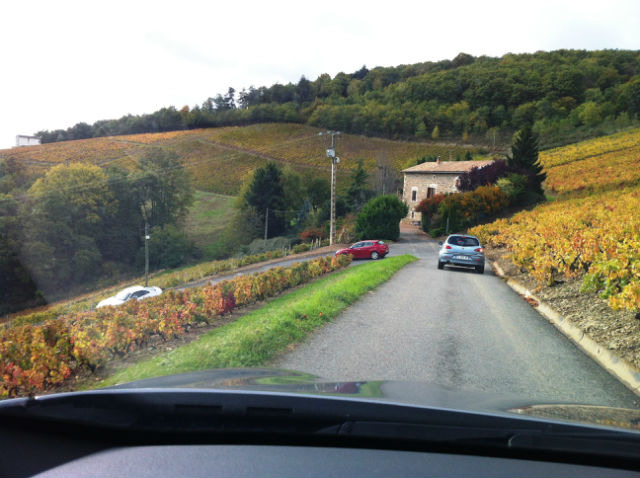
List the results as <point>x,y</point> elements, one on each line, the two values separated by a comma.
<point>251,415</point>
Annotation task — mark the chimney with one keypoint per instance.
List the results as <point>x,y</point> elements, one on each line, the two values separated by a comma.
<point>438,160</point>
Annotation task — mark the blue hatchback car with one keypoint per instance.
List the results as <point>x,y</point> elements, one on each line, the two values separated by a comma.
<point>461,250</point>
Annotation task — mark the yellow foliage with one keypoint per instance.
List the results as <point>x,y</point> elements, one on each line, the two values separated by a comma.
<point>594,234</point>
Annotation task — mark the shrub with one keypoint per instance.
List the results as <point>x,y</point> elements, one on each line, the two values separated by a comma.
<point>514,186</point>
<point>469,181</point>
<point>346,229</point>
<point>258,246</point>
<point>380,218</point>
<point>301,248</point>
<point>428,207</point>
<point>311,233</point>
<point>464,210</point>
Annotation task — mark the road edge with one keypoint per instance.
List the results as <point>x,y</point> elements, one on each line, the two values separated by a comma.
<point>616,366</point>
<point>303,256</point>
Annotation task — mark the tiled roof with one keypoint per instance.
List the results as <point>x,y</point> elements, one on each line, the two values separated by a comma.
<point>447,166</point>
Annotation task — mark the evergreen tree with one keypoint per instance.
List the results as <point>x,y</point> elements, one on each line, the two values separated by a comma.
<point>304,91</point>
<point>266,192</point>
<point>358,193</point>
<point>525,157</point>
<point>421,130</point>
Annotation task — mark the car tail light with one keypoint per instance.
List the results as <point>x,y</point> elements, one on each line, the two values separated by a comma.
<point>447,247</point>
<point>479,249</point>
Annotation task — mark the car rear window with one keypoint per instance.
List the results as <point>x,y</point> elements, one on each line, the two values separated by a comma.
<point>463,241</point>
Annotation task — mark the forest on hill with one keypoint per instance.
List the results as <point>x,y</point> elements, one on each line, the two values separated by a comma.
<point>566,95</point>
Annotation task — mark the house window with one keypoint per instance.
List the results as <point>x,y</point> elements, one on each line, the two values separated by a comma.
<point>412,214</point>
<point>414,194</point>
<point>431,192</point>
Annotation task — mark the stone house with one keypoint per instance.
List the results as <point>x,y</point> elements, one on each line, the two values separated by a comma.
<point>428,179</point>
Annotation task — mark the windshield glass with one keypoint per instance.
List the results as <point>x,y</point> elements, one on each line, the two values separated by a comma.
<point>124,294</point>
<point>231,158</point>
<point>463,241</point>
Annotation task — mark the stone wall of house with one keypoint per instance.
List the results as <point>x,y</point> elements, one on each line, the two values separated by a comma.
<point>442,183</point>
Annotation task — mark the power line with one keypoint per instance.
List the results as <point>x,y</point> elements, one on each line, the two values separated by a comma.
<point>185,164</point>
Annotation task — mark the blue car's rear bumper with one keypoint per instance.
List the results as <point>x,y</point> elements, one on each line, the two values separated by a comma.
<point>473,261</point>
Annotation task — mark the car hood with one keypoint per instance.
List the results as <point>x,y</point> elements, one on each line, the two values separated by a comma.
<point>399,392</point>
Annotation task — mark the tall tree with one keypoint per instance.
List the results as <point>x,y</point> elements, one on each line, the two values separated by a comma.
<point>318,191</point>
<point>304,91</point>
<point>123,230</point>
<point>17,289</point>
<point>358,192</point>
<point>294,193</point>
<point>164,187</point>
<point>230,98</point>
<point>65,216</point>
<point>266,192</point>
<point>525,157</point>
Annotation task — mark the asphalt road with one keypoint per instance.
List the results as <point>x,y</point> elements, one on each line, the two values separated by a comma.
<point>458,329</point>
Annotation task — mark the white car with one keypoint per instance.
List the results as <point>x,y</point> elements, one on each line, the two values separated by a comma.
<point>134,292</point>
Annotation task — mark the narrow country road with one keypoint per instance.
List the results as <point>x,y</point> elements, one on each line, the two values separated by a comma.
<point>258,267</point>
<point>457,329</point>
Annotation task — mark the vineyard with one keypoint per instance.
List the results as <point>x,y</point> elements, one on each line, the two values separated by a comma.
<point>302,144</point>
<point>162,279</point>
<point>220,158</point>
<point>592,230</point>
<point>100,151</point>
<point>593,147</point>
<point>599,172</point>
<point>37,357</point>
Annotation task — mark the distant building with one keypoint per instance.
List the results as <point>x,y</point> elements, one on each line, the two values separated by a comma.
<point>428,179</point>
<point>22,140</point>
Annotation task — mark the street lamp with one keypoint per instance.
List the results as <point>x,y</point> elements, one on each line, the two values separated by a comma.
<point>146,254</point>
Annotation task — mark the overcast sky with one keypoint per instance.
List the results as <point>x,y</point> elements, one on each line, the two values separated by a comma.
<point>64,62</point>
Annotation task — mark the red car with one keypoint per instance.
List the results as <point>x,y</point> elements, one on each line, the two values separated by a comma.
<point>366,249</point>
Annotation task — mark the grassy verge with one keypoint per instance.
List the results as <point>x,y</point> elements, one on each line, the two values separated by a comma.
<point>258,336</point>
<point>207,217</point>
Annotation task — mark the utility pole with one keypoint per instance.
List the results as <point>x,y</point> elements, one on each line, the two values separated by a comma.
<point>331,154</point>
<point>383,178</point>
<point>146,254</point>
<point>266,226</point>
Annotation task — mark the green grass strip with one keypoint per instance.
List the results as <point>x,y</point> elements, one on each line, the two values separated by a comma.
<point>256,337</point>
